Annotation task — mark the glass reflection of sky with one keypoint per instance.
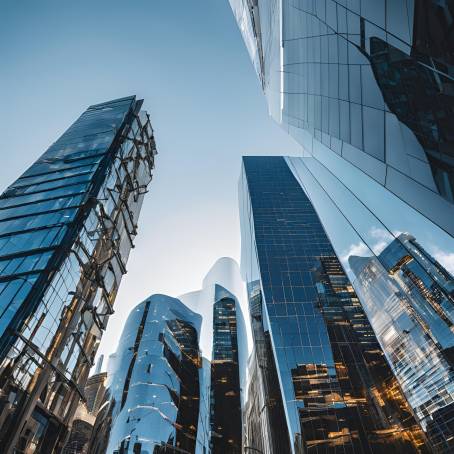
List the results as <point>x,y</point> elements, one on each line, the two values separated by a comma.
<point>365,223</point>
<point>377,215</point>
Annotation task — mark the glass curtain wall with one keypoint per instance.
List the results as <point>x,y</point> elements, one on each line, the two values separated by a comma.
<point>404,290</point>
<point>336,388</point>
<point>226,417</point>
<point>365,86</point>
<point>155,386</point>
<point>66,228</point>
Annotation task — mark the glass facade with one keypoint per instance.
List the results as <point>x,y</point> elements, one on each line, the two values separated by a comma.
<point>163,394</point>
<point>365,86</point>
<point>225,343</point>
<point>226,422</point>
<point>154,383</point>
<point>405,289</point>
<point>265,427</point>
<point>66,228</point>
<point>369,79</point>
<point>333,383</point>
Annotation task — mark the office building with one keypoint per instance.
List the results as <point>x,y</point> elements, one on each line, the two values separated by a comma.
<point>66,228</point>
<point>265,426</point>
<point>365,86</point>
<point>153,389</point>
<point>320,381</point>
<point>95,390</point>
<point>225,343</point>
<point>80,432</point>
<point>367,80</point>
<point>85,417</point>
<point>163,393</point>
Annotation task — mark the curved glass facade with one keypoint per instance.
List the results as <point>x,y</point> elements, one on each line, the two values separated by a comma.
<point>153,384</point>
<point>369,79</point>
<point>66,228</point>
<point>163,396</point>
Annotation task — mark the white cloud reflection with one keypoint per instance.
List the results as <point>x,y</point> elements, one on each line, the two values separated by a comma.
<point>445,258</point>
<point>358,249</point>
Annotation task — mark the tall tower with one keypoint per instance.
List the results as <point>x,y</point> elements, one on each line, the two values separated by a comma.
<point>163,393</point>
<point>226,417</point>
<point>154,382</point>
<point>366,88</point>
<point>225,343</point>
<point>320,380</point>
<point>66,228</point>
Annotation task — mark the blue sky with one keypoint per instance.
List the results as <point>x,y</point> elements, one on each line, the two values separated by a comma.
<point>187,60</point>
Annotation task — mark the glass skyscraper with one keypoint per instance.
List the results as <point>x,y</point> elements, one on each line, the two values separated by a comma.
<point>225,403</point>
<point>66,228</point>
<point>365,86</point>
<point>155,380</point>
<point>225,343</point>
<point>317,368</point>
<point>163,394</point>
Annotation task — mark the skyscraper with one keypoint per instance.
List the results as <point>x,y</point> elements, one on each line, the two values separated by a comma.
<point>154,385</point>
<point>365,87</point>
<point>367,80</point>
<point>225,404</point>
<point>225,343</point>
<point>317,368</point>
<point>66,228</point>
<point>163,394</point>
<point>86,413</point>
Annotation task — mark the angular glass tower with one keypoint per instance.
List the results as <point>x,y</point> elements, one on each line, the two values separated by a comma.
<point>66,228</point>
<point>366,88</point>
<point>225,404</point>
<point>317,368</point>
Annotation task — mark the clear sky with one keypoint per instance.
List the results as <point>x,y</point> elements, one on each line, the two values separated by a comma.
<point>187,60</point>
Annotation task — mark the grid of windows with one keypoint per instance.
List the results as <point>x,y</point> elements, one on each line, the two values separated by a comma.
<point>404,290</point>
<point>66,228</point>
<point>369,79</point>
<point>323,347</point>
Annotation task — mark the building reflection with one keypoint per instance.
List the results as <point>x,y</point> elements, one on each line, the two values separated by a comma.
<point>414,327</point>
<point>154,382</point>
<point>67,226</point>
<point>333,382</point>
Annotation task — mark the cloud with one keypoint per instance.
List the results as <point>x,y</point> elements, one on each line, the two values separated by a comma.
<point>445,258</point>
<point>359,249</point>
<point>383,238</point>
